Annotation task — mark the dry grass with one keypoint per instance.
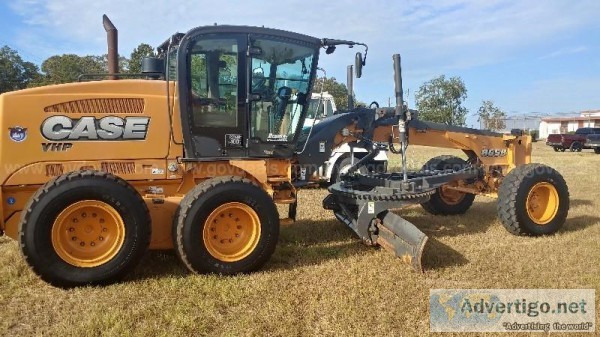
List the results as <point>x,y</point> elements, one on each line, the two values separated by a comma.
<point>322,280</point>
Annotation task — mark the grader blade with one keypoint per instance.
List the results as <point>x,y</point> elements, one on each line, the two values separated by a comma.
<point>402,238</point>
<point>372,221</point>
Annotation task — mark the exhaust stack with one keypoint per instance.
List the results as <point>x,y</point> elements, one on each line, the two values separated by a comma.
<point>112,38</point>
<point>350,85</point>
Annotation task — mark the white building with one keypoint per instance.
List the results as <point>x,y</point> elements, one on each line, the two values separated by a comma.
<point>549,125</point>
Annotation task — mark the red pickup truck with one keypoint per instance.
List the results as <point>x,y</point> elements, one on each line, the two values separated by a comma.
<point>573,142</point>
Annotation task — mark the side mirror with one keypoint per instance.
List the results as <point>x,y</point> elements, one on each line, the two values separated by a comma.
<point>358,64</point>
<point>284,93</point>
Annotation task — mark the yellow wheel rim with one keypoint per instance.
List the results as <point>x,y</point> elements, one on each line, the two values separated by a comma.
<point>231,232</point>
<point>88,233</point>
<point>450,196</point>
<point>542,203</point>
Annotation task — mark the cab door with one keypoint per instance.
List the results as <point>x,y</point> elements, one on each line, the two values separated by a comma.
<point>215,96</point>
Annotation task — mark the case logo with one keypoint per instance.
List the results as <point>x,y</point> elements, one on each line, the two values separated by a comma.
<point>63,128</point>
<point>17,134</point>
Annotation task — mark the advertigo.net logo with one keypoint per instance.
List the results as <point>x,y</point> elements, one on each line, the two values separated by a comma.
<point>503,310</point>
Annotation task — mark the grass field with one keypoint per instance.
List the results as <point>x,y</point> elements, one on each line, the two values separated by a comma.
<point>321,279</point>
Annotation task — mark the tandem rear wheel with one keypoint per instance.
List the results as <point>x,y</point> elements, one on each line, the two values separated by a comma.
<point>533,199</point>
<point>84,228</point>
<point>226,225</point>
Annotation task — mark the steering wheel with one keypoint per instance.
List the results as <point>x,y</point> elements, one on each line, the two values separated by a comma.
<point>374,103</point>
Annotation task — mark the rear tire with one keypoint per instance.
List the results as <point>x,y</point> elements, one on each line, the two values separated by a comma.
<point>576,147</point>
<point>84,228</point>
<point>597,150</point>
<point>446,201</point>
<point>226,225</point>
<point>533,199</point>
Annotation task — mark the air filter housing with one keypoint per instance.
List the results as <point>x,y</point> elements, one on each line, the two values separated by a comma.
<point>153,67</point>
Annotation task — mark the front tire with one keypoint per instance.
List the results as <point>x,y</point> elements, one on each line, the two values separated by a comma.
<point>533,199</point>
<point>343,166</point>
<point>597,150</point>
<point>576,147</point>
<point>226,225</point>
<point>84,228</point>
<point>446,201</point>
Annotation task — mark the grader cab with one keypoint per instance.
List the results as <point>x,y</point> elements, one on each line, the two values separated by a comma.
<point>196,156</point>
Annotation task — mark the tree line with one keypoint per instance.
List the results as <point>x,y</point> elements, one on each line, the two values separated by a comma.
<point>438,100</point>
<point>16,73</point>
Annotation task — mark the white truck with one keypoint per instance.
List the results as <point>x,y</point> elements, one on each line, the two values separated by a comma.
<point>323,106</point>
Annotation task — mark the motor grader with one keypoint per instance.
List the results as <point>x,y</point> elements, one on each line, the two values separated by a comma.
<point>196,155</point>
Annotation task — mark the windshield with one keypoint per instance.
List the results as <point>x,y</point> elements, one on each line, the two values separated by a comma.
<point>280,83</point>
<point>312,108</point>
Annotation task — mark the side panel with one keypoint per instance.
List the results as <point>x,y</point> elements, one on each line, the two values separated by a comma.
<point>107,120</point>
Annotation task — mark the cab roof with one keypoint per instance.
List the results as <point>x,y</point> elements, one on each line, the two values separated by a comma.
<point>177,37</point>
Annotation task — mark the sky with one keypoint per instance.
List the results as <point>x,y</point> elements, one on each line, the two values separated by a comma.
<point>527,56</point>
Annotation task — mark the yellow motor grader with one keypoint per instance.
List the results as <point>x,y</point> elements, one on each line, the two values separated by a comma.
<point>196,153</point>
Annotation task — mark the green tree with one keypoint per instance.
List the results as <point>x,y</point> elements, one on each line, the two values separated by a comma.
<point>67,68</point>
<point>15,73</point>
<point>440,100</point>
<point>336,89</point>
<point>103,61</point>
<point>491,117</point>
<point>135,60</point>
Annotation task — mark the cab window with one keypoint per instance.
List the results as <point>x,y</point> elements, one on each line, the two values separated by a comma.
<point>214,83</point>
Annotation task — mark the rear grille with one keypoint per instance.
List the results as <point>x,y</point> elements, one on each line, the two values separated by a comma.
<point>118,167</point>
<point>100,106</point>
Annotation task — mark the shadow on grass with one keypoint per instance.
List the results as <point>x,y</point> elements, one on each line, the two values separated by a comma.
<point>303,243</point>
<point>439,255</point>
<point>306,243</point>
<point>580,202</point>
<point>157,264</point>
<point>580,222</point>
<point>478,219</point>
